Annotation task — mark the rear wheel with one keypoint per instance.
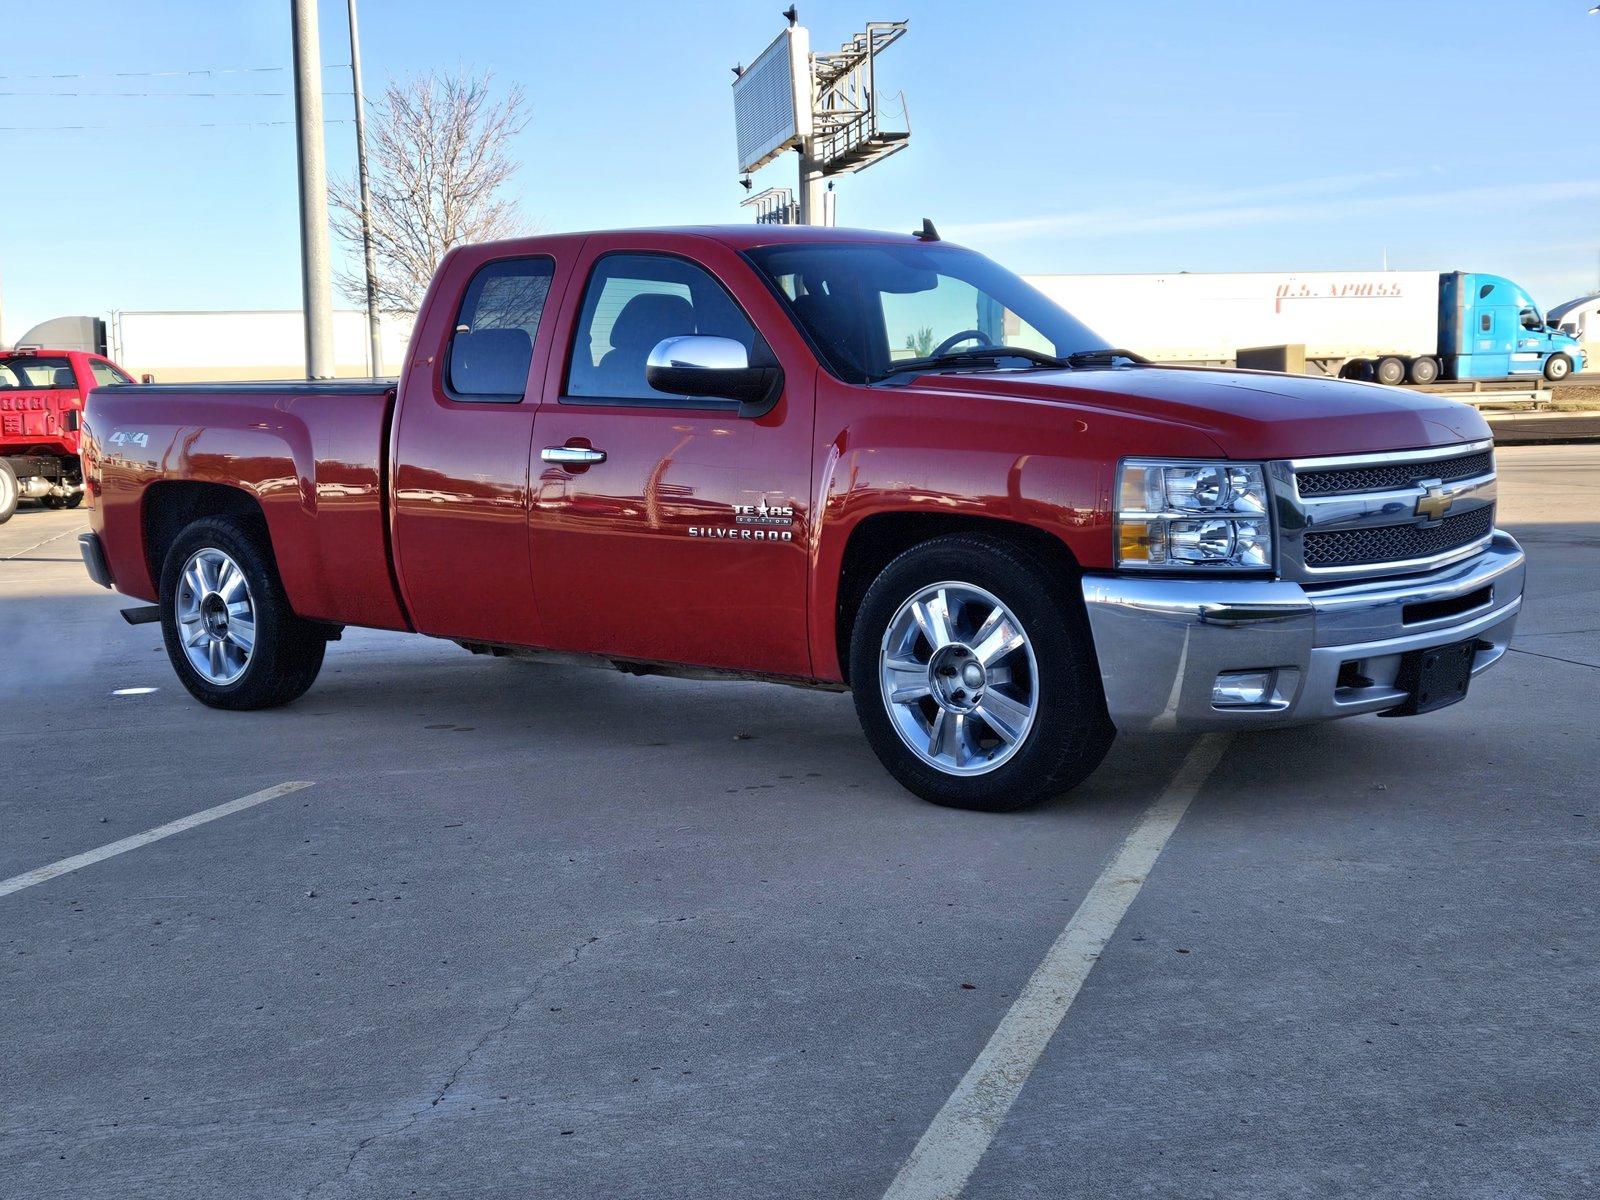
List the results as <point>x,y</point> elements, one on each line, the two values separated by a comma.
<point>52,502</point>
<point>1557,367</point>
<point>8,491</point>
<point>1424,370</point>
<point>230,633</point>
<point>73,499</point>
<point>1391,370</point>
<point>974,675</point>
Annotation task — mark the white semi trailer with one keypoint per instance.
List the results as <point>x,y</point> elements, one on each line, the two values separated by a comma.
<point>1580,318</point>
<point>178,347</point>
<point>1392,326</point>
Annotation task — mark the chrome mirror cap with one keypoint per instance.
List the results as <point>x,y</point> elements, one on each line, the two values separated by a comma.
<point>699,352</point>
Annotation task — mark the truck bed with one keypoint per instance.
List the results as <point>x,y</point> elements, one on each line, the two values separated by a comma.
<point>312,454</point>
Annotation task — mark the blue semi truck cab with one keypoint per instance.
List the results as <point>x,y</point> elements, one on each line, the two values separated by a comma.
<point>1489,328</point>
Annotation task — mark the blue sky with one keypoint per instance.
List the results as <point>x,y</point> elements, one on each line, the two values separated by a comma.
<point>1140,135</point>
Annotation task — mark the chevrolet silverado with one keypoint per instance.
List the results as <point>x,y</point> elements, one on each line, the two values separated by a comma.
<point>837,459</point>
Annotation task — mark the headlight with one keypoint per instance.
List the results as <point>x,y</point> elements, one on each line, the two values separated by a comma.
<point>1183,514</point>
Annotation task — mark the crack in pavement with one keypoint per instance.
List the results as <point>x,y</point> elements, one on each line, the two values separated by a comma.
<point>1554,658</point>
<point>46,542</point>
<point>495,1031</point>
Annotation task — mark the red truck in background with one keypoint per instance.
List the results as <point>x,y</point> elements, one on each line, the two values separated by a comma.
<point>41,407</point>
<point>829,458</point>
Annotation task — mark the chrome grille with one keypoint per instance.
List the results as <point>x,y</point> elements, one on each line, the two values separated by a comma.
<point>1396,543</point>
<point>1391,476</point>
<point>1373,515</point>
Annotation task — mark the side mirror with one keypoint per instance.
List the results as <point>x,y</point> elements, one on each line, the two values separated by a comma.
<point>700,365</point>
<point>147,378</point>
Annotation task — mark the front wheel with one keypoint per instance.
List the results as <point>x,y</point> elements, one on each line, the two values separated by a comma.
<point>974,675</point>
<point>230,633</point>
<point>1557,368</point>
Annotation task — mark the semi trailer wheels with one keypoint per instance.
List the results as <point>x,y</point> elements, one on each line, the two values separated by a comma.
<point>974,675</point>
<point>1391,370</point>
<point>1424,370</point>
<point>230,633</point>
<point>1557,367</point>
<point>9,492</point>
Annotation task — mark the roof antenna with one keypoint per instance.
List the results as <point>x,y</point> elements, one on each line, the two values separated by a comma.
<point>927,233</point>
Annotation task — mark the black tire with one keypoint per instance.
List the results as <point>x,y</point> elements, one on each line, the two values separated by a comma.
<point>1557,367</point>
<point>1070,732</point>
<point>1358,369</point>
<point>287,651</point>
<point>1390,370</point>
<point>1424,370</point>
<point>52,502</point>
<point>9,492</point>
<point>73,500</point>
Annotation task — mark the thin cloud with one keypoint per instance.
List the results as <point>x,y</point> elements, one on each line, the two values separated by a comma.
<point>1317,200</point>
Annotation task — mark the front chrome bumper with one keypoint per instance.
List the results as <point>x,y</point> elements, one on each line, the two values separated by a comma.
<point>1335,648</point>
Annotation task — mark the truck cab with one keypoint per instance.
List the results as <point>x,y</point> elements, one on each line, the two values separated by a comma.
<point>1489,328</point>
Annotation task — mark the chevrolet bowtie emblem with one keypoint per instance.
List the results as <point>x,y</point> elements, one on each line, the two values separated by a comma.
<point>1434,502</point>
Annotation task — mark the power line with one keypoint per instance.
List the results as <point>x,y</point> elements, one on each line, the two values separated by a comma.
<point>176,125</point>
<point>157,95</point>
<point>163,74</point>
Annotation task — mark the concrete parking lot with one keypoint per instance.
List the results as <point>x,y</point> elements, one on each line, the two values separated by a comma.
<point>540,931</point>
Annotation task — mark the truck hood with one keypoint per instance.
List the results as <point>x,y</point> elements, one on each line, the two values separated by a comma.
<point>1247,414</point>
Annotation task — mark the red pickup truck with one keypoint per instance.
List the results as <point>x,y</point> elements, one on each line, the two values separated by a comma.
<point>41,407</point>
<point>829,458</point>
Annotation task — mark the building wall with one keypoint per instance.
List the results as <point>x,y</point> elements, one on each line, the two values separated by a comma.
<point>180,347</point>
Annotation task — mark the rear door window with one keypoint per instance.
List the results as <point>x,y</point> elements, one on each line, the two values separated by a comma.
<point>493,341</point>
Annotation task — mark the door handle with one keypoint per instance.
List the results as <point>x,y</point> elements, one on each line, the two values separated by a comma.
<point>572,455</point>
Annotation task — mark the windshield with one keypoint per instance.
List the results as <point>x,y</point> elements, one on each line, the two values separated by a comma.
<point>28,372</point>
<point>867,307</point>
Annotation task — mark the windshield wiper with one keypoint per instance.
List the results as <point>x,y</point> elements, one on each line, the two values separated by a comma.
<point>978,356</point>
<point>1103,358</point>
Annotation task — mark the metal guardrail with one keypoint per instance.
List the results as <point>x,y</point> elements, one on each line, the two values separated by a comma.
<point>1486,391</point>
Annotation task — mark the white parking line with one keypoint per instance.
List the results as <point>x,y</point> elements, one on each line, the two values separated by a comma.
<point>39,874</point>
<point>947,1154</point>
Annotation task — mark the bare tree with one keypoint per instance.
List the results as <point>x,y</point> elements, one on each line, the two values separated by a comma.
<point>438,161</point>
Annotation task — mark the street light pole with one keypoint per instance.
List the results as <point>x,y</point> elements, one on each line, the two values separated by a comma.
<point>374,325</point>
<point>315,274</point>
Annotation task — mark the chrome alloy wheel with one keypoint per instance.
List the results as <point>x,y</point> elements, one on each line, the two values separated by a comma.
<point>216,616</point>
<point>959,678</point>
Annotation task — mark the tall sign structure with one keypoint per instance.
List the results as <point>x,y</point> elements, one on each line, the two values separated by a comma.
<point>825,107</point>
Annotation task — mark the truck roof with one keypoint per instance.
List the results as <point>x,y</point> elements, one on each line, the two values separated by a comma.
<point>737,237</point>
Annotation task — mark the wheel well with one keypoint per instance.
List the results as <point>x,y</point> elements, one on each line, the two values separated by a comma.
<point>171,506</point>
<point>879,539</point>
